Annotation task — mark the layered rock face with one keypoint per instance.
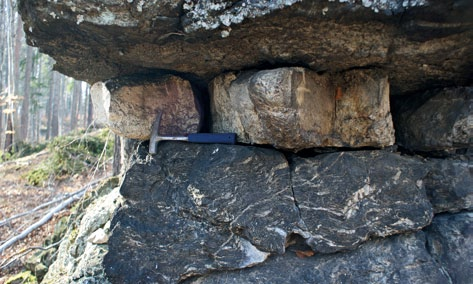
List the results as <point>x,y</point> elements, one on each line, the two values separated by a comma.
<point>295,108</point>
<point>422,44</point>
<point>355,129</point>
<point>129,106</point>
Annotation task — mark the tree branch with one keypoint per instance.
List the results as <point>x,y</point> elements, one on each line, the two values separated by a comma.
<point>75,196</point>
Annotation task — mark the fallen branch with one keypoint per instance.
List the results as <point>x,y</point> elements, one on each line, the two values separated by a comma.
<point>75,196</point>
<point>39,207</point>
<point>7,262</point>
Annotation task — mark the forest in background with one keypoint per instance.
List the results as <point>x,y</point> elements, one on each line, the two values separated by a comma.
<point>36,103</point>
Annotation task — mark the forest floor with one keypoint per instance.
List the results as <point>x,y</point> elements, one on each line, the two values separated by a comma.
<point>16,197</point>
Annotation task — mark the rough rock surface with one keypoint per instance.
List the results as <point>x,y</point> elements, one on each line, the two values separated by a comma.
<point>418,45</point>
<point>449,185</point>
<point>129,106</point>
<point>436,120</point>
<point>197,208</point>
<point>450,242</point>
<point>78,259</point>
<point>295,108</point>
<point>345,198</point>
<point>402,259</point>
<point>193,209</point>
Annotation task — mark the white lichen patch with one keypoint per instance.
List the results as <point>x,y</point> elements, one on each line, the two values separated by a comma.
<point>109,18</point>
<point>139,6</point>
<point>195,194</point>
<point>387,5</point>
<point>80,19</point>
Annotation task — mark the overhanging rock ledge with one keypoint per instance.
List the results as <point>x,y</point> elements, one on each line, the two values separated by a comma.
<point>421,44</point>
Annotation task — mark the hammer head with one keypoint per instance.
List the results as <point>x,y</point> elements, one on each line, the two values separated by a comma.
<point>155,137</point>
<point>155,133</point>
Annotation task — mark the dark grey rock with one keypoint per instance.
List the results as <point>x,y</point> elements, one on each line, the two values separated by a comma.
<point>449,184</point>
<point>345,198</point>
<point>439,120</point>
<point>197,208</point>
<point>193,209</point>
<point>420,44</point>
<point>397,259</point>
<point>450,242</point>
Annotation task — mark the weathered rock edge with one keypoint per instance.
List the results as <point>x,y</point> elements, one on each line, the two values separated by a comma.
<point>419,47</point>
<point>130,105</point>
<point>193,209</point>
<point>80,255</point>
<point>296,108</point>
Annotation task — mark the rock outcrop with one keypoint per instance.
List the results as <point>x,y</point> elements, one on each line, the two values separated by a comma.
<point>197,209</point>
<point>322,194</point>
<point>80,255</point>
<point>295,108</point>
<point>420,44</point>
<point>448,112</point>
<point>449,185</point>
<point>348,197</point>
<point>130,105</point>
<point>450,242</point>
<point>403,259</point>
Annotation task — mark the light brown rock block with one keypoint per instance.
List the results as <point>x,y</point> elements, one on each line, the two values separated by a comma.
<point>295,108</point>
<point>129,106</point>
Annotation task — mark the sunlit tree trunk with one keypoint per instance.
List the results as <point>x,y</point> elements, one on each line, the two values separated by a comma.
<point>56,82</point>
<point>76,97</point>
<point>89,115</point>
<point>25,107</point>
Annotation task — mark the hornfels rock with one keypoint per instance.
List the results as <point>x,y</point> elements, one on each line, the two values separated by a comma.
<point>420,44</point>
<point>435,120</point>
<point>346,198</point>
<point>194,209</point>
<point>450,241</point>
<point>130,105</point>
<point>198,208</point>
<point>449,185</point>
<point>295,108</point>
<point>398,259</point>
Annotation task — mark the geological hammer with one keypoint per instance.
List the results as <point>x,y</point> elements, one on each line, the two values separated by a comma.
<point>207,138</point>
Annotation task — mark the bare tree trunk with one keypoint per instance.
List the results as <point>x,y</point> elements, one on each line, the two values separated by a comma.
<point>49,106</point>
<point>89,108</point>
<point>9,135</point>
<point>117,163</point>
<point>55,105</point>
<point>25,107</point>
<point>17,55</point>
<point>76,94</point>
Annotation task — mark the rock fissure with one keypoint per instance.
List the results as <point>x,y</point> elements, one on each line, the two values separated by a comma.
<point>326,91</point>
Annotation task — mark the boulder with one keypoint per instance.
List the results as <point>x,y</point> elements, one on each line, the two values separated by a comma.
<point>450,242</point>
<point>397,259</point>
<point>438,120</point>
<point>420,44</point>
<point>193,209</point>
<point>78,259</point>
<point>295,108</point>
<point>198,208</point>
<point>129,106</point>
<point>346,198</point>
<point>449,185</point>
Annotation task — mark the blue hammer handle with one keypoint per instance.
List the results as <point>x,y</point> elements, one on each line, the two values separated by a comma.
<point>222,138</point>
